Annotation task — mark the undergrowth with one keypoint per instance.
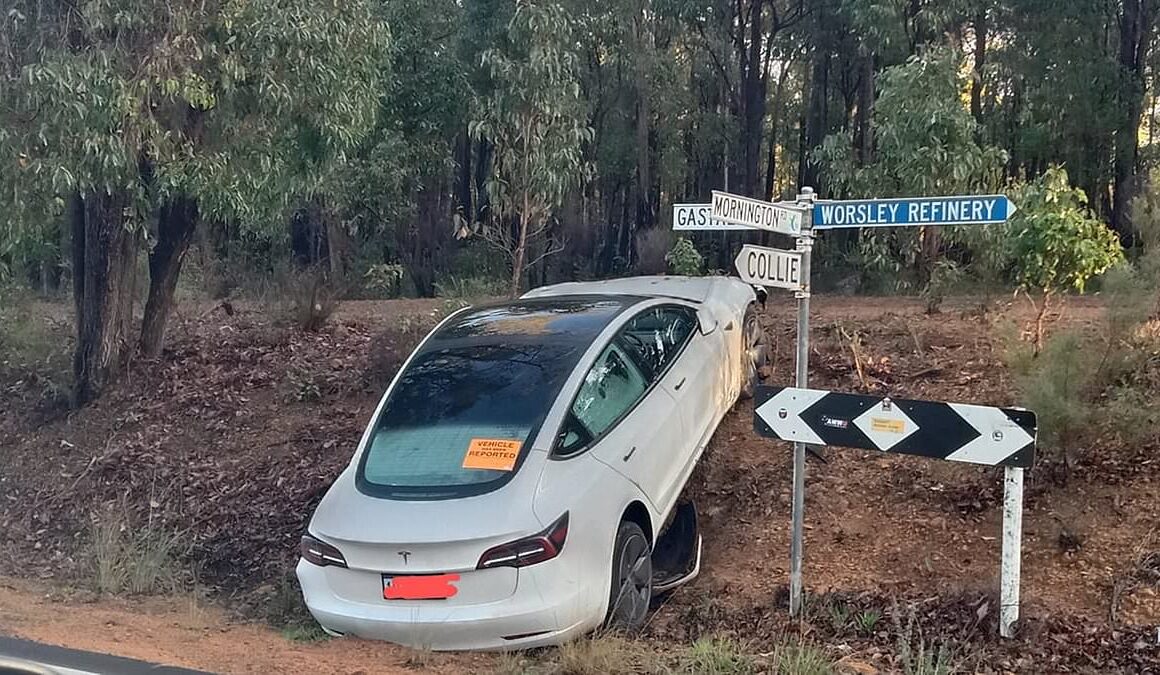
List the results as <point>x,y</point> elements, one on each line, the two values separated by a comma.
<point>127,558</point>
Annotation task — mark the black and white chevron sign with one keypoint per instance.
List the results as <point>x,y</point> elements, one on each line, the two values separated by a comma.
<point>953,431</point>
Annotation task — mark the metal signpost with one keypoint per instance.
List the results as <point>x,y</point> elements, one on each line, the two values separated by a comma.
<point>951,431</point>
<point>955,432</point>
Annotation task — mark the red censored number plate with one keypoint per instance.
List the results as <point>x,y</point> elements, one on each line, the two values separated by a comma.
<point>427,587</point>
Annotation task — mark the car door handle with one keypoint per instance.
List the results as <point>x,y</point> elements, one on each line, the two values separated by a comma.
<point>629,455</point>
<point>680,384</point>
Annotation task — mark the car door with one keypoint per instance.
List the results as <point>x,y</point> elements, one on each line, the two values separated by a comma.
<point>694,376</point>
<point>626,422</point>
<point>664,339</point>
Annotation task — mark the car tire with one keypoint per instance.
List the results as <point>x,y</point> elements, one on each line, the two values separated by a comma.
<point>631,589</point>
<point>754,352</point>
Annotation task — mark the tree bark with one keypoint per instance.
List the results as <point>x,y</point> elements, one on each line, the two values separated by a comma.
<point>104,259</point>
<point>815,128</point>
<point>752,101</point>
<point>863,122</point>
<point>643,201</point>
<point>1136,24</point>
<point>980,61</point>
<point>176,224</point>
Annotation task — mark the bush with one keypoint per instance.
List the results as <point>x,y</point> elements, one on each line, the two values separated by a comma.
<point>313,299</point>
<point>684,259</point>
<point>1059,244</point>
<point>472,288</point>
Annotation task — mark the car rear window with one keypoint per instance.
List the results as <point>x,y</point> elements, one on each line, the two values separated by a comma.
<point>460,419</point>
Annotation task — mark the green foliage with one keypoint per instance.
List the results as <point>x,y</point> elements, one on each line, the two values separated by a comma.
<point>926,143</point>
<point>1058,245</point>
<point>718,656</point>
<point>470,288</point>
<point>925,137</point>
<point>536,117</point>
<point>684,259</point>
<point>801,659</point>
<point>867,620</point>
<point>384,278</point>
<point>238,105</point>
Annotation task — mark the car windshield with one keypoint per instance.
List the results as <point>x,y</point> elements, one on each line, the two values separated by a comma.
<point>463,413</point>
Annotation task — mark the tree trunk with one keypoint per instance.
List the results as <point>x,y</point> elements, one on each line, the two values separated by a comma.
<point>752,101</point>
<point>175,227</point>
<point>518,257</point>
<point>643,201</point>
<point>335,242</point>
<point>104,260</point>
<point>815,128</point>
<point>1135,37</point>
<point>980,60</point>
<point>863,122</point>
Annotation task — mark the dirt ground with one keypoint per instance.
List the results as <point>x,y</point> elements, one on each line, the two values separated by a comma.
<point>236,431</point>
<point>192,633</point>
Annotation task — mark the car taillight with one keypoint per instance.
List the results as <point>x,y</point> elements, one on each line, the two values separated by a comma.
<point>529,550</point>
<point>320,553</point>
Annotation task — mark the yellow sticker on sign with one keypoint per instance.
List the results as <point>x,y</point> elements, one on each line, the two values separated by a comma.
<point>497,454</point>
<point>888,426</point>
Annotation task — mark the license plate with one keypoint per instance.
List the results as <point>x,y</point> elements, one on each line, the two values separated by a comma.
<point>420,587</point>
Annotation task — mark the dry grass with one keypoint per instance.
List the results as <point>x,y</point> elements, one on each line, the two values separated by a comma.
<point>130,559</point>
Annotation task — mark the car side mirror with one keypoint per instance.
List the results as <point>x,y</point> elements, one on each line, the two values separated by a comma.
<point>706,322</point>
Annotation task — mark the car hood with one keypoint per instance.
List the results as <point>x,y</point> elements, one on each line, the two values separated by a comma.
<point>695,289</point>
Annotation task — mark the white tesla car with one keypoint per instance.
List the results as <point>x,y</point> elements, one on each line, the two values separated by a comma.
<point>518,484</point>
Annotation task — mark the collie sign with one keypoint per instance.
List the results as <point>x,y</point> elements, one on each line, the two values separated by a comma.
<point>699,218</point>
<point>756,213</point>
<point>913,211</point>
<point>770,267</point>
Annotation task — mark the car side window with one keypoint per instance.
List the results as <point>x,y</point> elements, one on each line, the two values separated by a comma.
<point>610,389</point>
<point>655,336</point>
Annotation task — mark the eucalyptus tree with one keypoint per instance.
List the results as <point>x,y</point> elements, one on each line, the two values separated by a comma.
<point>133,121</point>
<point>536,119</point>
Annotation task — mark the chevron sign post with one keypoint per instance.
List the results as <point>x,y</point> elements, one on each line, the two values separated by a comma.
<point>956,432</point>
<point>952,431</point>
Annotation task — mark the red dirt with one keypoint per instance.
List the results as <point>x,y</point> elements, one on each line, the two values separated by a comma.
<point>188,633</point>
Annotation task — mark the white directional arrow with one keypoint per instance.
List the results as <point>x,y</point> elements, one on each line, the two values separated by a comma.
<point>998,439</point>
<point>783,414</point>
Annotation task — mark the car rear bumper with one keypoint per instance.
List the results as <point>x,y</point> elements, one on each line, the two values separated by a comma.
<point>531,617</point>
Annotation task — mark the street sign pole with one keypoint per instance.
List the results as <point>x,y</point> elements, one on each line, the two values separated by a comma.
<point>805,245</point>
<point>1012,550</point>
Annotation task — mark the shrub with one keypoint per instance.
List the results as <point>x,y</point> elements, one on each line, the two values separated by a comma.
<point>684,259</point>
<point>313,299</point>
<point>471,288</point>
<point>1058,244</point>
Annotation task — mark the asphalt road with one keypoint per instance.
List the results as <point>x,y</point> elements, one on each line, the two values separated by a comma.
<point>62,661</point>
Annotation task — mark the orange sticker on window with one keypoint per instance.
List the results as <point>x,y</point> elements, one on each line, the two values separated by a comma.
<point>497,454</point>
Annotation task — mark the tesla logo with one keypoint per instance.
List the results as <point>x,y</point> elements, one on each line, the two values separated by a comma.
<point>406,556</point>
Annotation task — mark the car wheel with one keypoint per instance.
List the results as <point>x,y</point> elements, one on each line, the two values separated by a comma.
<point>754,352</point>
<point>631,590</point>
